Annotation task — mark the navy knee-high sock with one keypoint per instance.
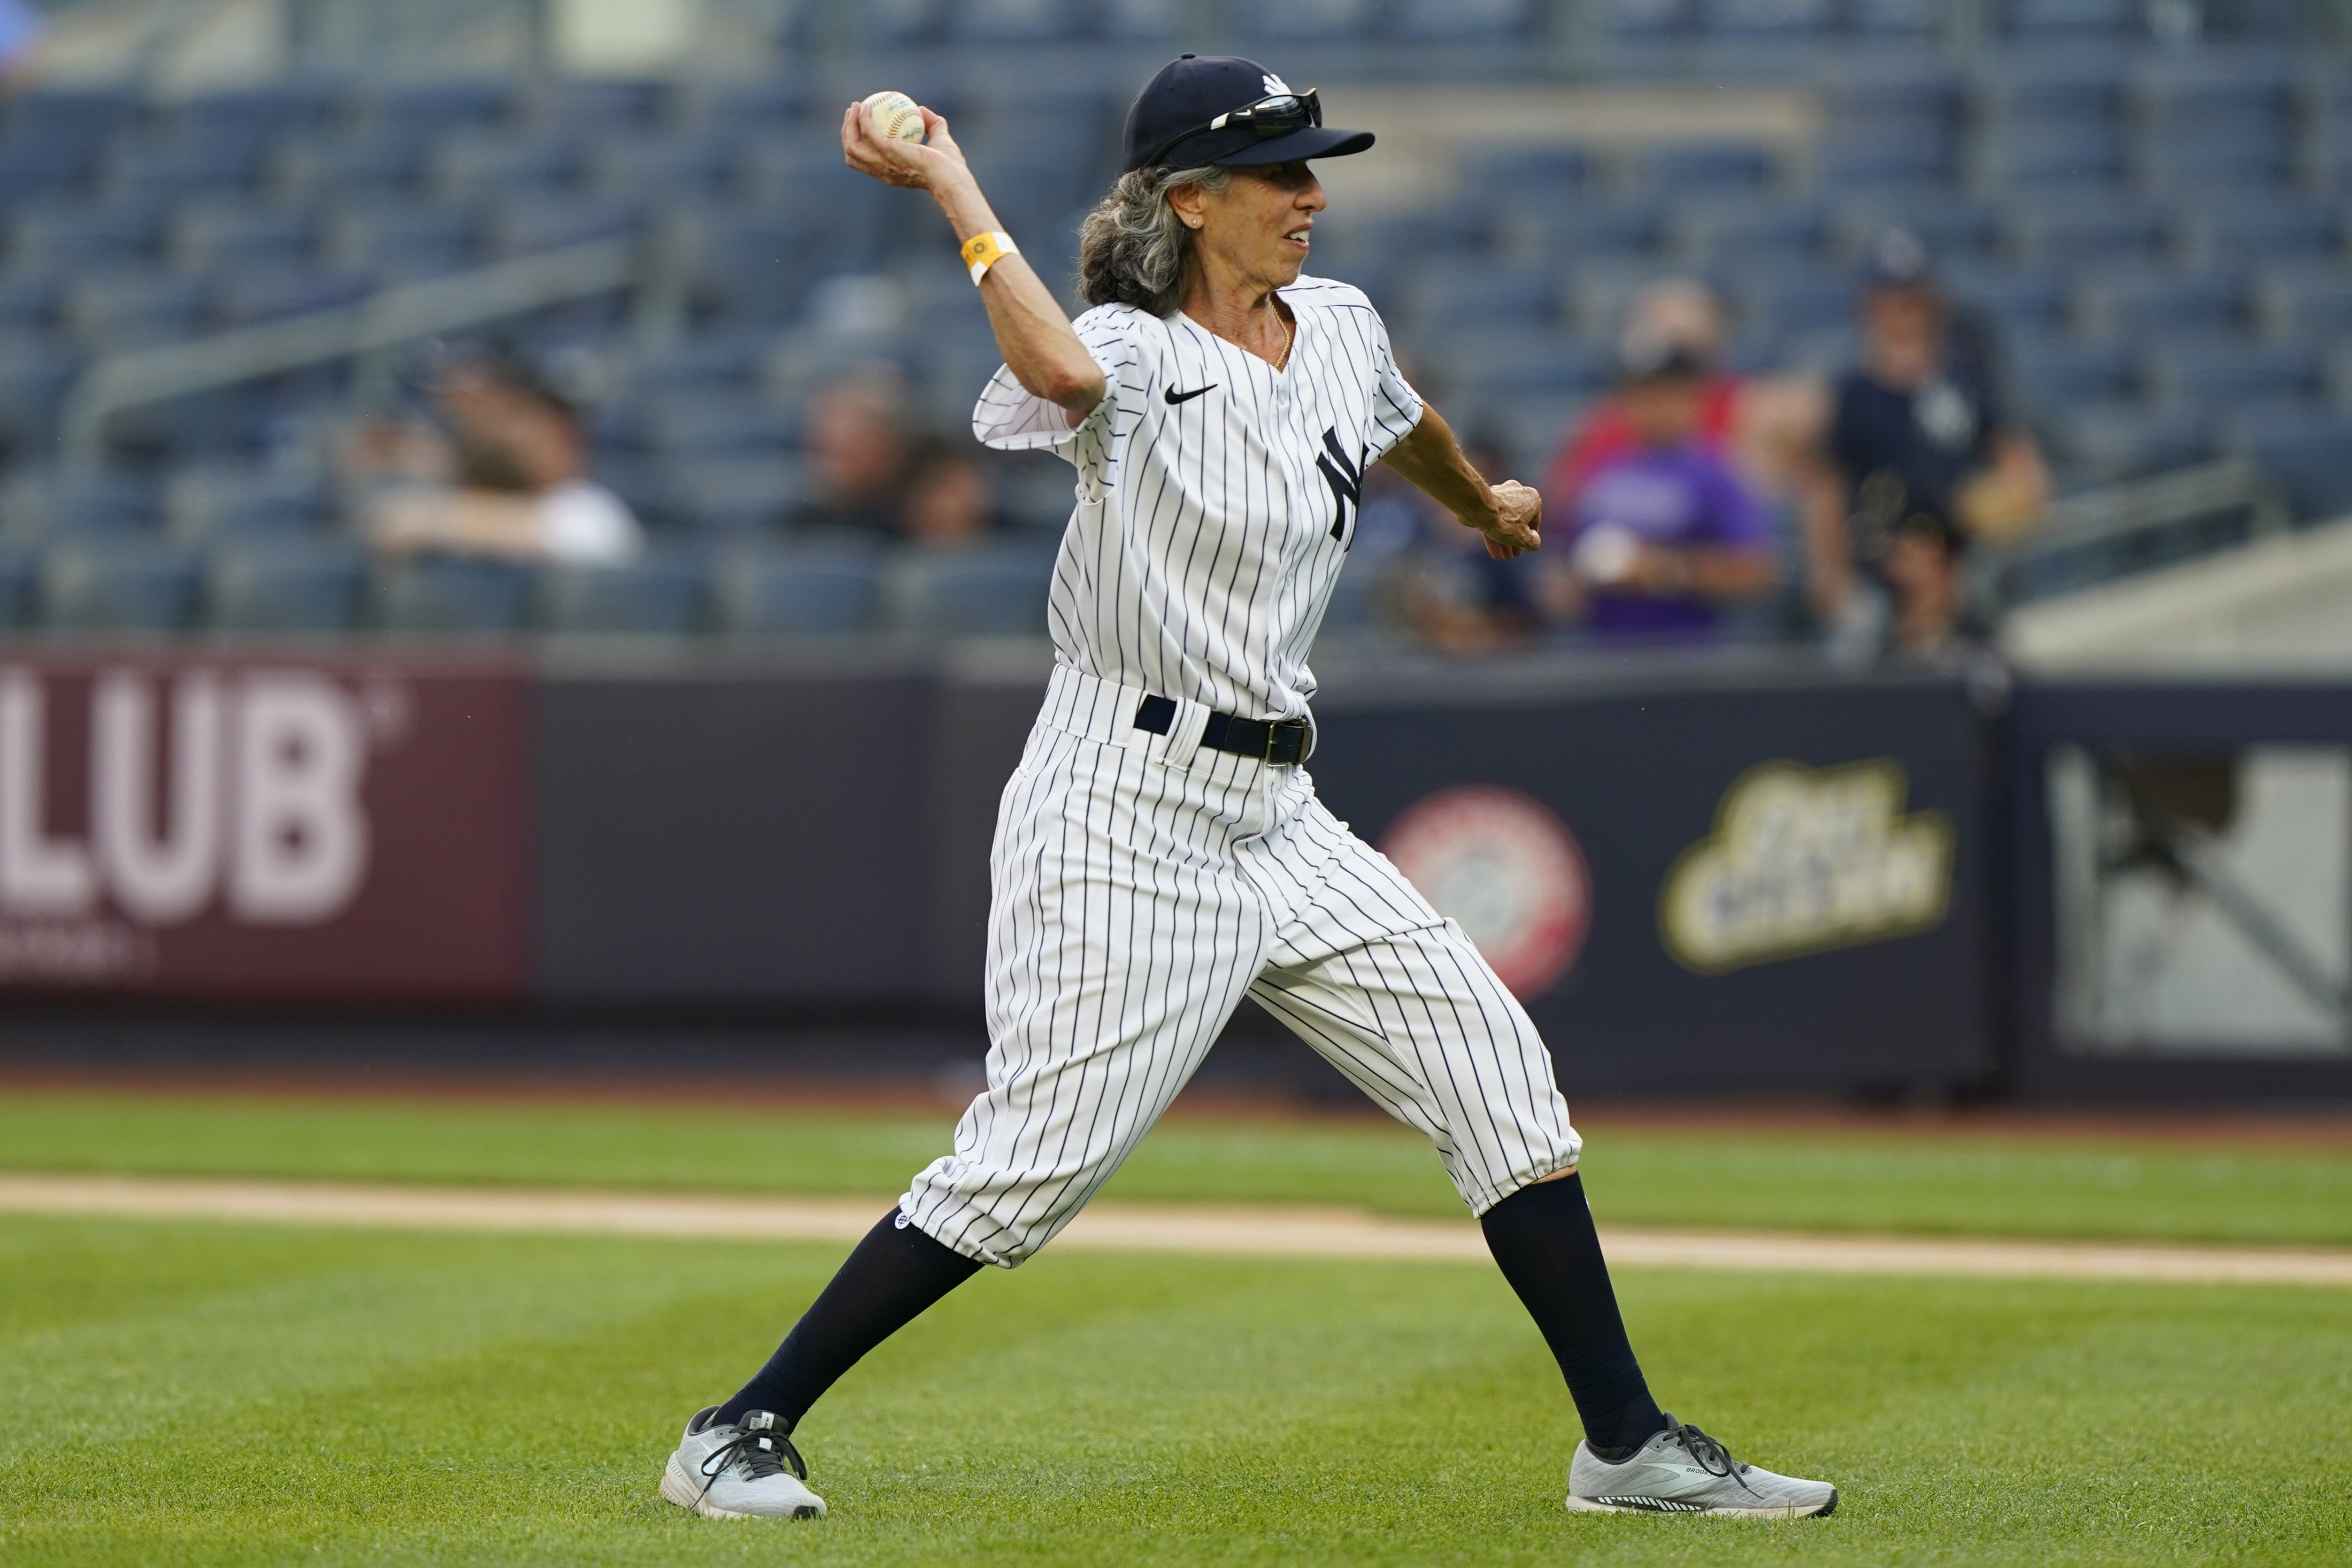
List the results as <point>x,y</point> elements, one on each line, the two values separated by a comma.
<point>887,1281</point>
<point>1542,1236</point>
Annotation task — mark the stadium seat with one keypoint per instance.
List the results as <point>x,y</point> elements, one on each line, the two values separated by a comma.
<point>400,241</point>
<point>2074,21</point>
<point>2022,303</point>
<point>567,106</point>
<point>1463,21</point>
<point>20,565</point>
<point>1514,364</point>
<point>172,167</point>
<point>1640,21</point>
<point>994,592</point>
<point>2032,158</point>
<point>1579,230</point>
<point>1528,173</point>
<point>1896,160</point>
<point>737,495</point>
<point>82,239</point>
<point>35,375</point>
<point>1470,299</point>
<point>239,235</point>
<point>2303,451</point>
<point>1012,21</point>
<point>2051,89</point>
<point>664,168</point>
<point>1145,21</point>
<point>436,107</point>
<point>1958,231</point>
<point>36,502</point>
<point>720,362</point>
<point>479,166</point>
<point>262,113</point>
<point>267,294</point>
<point>119,585</point>
<point>207,503</point>
<point>780,180</point>
<point>30,173</point>
<point>730,111</point>
<point>2053,375</point>
<point>1906,21</point>
<point>449,594</point>
<point>2110,443</point>
<point>2308,301</point>
<point>1707,168</point>
<point>1766,20</point>
<point>69,122</point>
<point>2137,306</point>
<point>135,311</point>
<point>660,596</point>
<point>798,591</point>
<point>2227,375</point>
<point>686,427</point>
<point>544,221</point>
<point>1306,21</point>
<point>2241,230</point>
<point>2218,158</point>
<point>2085,232</point>
<point>1785,305</point>
<point>379,162</point>
<point>286,583</point>
<point>1735,233</point>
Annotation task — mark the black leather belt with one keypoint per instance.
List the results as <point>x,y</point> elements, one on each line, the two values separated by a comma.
<point>1285,743</point>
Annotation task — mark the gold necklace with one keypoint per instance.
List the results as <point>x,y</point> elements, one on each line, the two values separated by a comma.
<point>1289,338</point>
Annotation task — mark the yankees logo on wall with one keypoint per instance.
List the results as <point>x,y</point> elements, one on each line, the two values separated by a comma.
<point>1507,871</point>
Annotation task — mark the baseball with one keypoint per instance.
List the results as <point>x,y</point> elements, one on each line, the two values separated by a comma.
<point>892,113</point>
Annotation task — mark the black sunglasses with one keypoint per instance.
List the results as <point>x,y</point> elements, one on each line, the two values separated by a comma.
<point>1278,116</point>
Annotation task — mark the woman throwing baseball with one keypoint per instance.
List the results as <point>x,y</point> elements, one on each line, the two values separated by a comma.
<point>1159,852</point>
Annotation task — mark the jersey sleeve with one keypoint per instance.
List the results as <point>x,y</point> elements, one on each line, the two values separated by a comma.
<point>1396,406</point>
<point>1012,420</point>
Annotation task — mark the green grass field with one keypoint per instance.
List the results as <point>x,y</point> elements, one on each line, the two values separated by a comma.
<point>1894,1181</point>
<point>217,1394</point>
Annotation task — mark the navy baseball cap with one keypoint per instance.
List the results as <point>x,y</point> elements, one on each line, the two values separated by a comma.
<point>1220,109</point>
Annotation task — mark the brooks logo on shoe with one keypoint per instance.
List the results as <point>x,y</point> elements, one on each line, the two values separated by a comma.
<point>1653,1504</point>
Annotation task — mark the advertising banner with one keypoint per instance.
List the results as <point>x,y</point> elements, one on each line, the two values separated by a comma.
<point>261,829</point>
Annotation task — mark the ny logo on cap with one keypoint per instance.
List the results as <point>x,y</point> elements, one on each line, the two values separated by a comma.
<point>1275,86</point>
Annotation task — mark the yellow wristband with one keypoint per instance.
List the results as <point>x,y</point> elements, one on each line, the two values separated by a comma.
<point>982,251</point>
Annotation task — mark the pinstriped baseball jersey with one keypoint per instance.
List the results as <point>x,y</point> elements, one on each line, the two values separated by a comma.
<point>1216,496</point>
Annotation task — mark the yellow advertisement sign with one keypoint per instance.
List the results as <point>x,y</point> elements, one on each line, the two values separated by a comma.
<point>1804,859</point>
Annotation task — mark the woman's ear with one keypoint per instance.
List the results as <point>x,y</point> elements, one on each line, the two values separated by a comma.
<point>1186,201</point>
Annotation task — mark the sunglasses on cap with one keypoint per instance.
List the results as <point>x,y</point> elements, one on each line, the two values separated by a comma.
<point>1269,117</point>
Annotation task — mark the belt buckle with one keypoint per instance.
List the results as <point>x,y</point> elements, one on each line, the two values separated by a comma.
<point>1273,732</point>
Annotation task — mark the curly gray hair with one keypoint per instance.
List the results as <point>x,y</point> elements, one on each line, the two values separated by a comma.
<point>1133,249</point>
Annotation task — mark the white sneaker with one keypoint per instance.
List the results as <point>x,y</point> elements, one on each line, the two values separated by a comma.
<point>1684,1470</point>
<point>746,1470</point>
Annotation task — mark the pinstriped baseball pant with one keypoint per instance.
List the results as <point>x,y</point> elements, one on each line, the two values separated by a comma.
<point>1140,888</point>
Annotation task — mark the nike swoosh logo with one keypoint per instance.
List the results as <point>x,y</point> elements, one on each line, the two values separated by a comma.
<point>1175,397</point>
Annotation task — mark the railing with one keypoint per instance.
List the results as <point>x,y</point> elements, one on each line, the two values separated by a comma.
<point>2107,534</point>
<point>383,321</point>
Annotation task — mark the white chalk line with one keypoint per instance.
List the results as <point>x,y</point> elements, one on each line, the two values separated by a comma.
<point>1232,1232</point>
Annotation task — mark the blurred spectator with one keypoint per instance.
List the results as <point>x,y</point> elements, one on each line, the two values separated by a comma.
<point>1662,535</point>
<point>505,476</point>
<point>857,443</point>
<point>1764,424</point>
<point>950,503</point>
<point>1921,454</point>
<point>20,43</point>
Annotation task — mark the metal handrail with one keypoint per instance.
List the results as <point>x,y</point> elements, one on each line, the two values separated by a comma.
<point>382,321</point>
<point>2139,507</point>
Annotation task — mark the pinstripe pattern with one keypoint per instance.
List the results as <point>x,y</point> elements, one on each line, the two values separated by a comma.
<point>1141,884</point>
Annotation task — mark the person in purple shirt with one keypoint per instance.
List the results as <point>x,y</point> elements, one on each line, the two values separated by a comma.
<point>1663,536</point>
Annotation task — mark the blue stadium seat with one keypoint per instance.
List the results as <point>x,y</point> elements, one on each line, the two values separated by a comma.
<point>1581,230</point>
<point>898,24</point>
<point>782,180</point>
<point>1766,20</point>
<point>2053,375</point>
<point>1893,159</point>
<point>37,502</point>
<point>1506,363</point>
<point>229,421</point>
<point>384,162</point>
<point>992,592</point>
<point>713,424</point>
<point>549,222</point>
<point>119,585</point>
<point>30,307</point>
<point>2070,21</point>
<point>435,107</point>
<point>20,577</point>
<point>1739,233</point>
<point>1014,21</point>
<point>706,361</point>
<point>2222,158</point>
<point>258,115</point>
<point>32,174</point>
<point>269,294</point>
<point>1464,21</point>
<point>1793,303</point>
<point>1906,21</point>
<point>2085,232</point>
<point>2245,229</point>
<point>1470,299</point>
<point>1305,21</point>
<point>737,495</point>
<point>732,110</point>
<point>1640,21</point>
<point>1956,230</point>
<point>286,584</point>
<point>2022,303</point>
<point>207,235</point>
<point>2107,444</point>
<point>207,501</point>
<point>177,167</point>
<point>135,311</point>
<point>82,239</point>
<point>1145,21</point>
<point>1528,173</point>
<point>2137,305</point>
<point>449,594</point>
<point>663,596</point>
<point>645,167</point>
<point>573,105</point>
<point>2223,376</point>
<point>68,122</point>
<point>401,242</point>
<point>35,375</point>
<point>1704,168</point>
<point>2303,451</point>
<point>798,591</point>
<point>2031,157</point>
<point>472,165</point>
<point>2051,89</point>
<point>2314,303</point>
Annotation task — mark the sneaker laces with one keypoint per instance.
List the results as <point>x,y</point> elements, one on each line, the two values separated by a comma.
<point>758,1451</point>
<point>1712,1457</point>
